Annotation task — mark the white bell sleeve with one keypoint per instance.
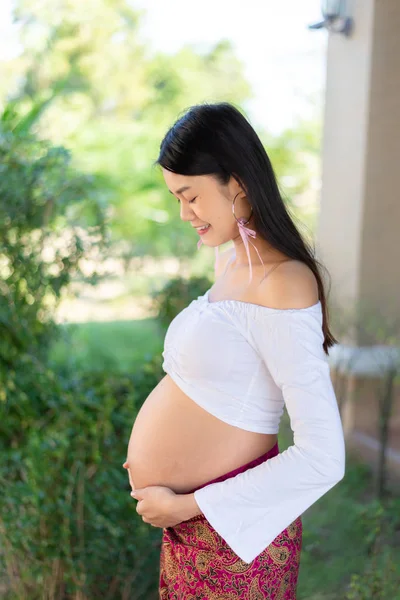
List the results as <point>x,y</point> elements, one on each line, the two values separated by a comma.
<point>252,508</point>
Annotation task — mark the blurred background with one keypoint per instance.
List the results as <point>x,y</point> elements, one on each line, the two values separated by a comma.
<point>95,262</point>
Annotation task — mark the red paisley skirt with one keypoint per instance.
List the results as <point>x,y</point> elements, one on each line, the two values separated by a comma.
<point>197,564</point>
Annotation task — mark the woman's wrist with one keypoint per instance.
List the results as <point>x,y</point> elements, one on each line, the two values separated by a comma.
<point>188,507</point>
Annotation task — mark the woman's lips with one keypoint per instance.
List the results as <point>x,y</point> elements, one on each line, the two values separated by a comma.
<point>203,231</point>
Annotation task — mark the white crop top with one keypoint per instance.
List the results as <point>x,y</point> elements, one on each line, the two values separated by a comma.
<point>243,363</point>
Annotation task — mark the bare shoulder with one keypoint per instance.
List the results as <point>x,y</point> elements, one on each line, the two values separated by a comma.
<point>223,259</point>
<point>291,284</point>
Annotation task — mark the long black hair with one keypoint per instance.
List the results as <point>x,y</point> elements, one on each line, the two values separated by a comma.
<point>216,139</point>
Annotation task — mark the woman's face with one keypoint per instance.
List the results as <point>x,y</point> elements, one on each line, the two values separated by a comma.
<point>204,201</point>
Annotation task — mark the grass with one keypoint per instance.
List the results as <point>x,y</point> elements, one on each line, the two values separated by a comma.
<point>95,345</point>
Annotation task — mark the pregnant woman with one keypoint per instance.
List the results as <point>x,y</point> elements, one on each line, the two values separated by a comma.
<point>203,456</point>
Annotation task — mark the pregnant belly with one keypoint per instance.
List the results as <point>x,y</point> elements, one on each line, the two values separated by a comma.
<point>176,443</point>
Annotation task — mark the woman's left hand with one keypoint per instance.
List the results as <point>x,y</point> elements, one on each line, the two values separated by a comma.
<point>159,506</point>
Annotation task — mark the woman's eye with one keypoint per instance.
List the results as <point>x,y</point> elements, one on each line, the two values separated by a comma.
<point>190,201</point>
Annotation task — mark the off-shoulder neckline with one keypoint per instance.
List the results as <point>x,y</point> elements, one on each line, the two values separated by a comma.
<point>261,307</point>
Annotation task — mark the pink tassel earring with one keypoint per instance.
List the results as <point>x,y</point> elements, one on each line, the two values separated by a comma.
<point>245,233</point>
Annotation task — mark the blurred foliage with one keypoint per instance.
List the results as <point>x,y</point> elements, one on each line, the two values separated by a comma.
<point>380,578</point>
<point>122,346</point>
<point>99,90</point>
<point>50,218</point>
<point>68,527</point>
<point>176,295</point>
<point>89,71</point>
<point>63,431</point>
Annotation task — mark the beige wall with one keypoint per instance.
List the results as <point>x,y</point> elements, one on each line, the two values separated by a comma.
<point>358,234</point>
<point>359,227</point>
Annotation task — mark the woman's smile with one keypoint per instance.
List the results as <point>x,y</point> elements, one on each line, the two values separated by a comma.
<point>203,230</point>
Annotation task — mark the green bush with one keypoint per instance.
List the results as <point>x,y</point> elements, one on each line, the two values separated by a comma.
<point>177,295</point>
<point>50,219</point>
<point>381,576</point>
<point>68,526</point>
<point>68,523</point>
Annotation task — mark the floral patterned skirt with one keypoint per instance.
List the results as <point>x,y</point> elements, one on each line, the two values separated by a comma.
<point>197,564</point>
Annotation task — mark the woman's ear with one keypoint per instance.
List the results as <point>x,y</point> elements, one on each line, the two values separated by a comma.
<point>240,184</point>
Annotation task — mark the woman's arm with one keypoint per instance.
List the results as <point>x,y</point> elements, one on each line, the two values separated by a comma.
<point>252,508</point>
